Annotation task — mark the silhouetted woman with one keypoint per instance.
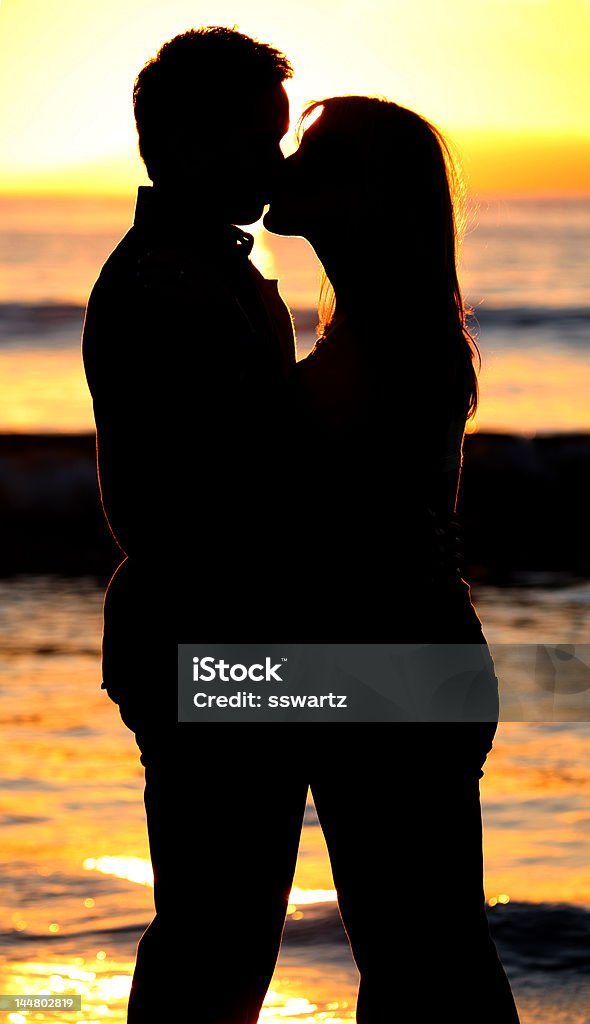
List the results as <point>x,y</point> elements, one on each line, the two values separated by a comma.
<point>380,407</point>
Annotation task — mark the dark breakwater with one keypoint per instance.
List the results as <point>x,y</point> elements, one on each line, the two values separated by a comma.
<point>525,506</point>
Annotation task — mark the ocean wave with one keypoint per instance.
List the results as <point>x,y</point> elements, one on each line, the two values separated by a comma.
<point>530,937</point>
<point>7,938</point>
<point>531,316</point>
<point>22,319</point>
<point>50,506</point>
<point>542,936</point>
<point>40,320</point>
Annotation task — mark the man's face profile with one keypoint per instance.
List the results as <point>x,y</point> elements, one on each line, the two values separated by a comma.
<point>248,155</point>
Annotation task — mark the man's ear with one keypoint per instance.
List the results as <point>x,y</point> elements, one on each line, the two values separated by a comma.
<point>203,161</point>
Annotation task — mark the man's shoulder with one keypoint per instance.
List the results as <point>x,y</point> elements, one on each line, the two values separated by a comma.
<point>141,273</point>
<point>118,270</point>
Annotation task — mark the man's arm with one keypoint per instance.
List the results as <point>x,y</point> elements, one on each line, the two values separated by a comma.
<point>108,339</point>
<point>152,371</point>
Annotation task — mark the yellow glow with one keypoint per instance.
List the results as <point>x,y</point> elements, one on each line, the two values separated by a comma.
<point>32,389</point>
<point>279,1007</point>
<point>512,71</point>
<point>135,869</point>
<point>45,390</point>
<point>554,400</point>
<point>117,986</point>
<point>301,897</point>
<point>524,164</point>
<point>104,992</point>
<point>502,898</point>
<point>138,869</point>
<point>313,117</point>
<point>262,255</point>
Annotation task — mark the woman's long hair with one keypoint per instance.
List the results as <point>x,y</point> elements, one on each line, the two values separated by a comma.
<point>405,225</point>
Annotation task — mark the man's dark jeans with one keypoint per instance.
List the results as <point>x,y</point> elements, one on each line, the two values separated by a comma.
<point>399,805</point>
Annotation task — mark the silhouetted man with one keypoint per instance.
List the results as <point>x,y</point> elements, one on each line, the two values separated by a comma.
<point>187,350</point>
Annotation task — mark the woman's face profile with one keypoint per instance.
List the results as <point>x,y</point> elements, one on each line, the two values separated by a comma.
<point>315,188</point>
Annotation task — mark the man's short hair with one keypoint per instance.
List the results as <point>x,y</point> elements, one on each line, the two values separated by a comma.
<point>193,77</point>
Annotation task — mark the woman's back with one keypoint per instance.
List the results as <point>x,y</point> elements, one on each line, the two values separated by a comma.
<point>378,483</point>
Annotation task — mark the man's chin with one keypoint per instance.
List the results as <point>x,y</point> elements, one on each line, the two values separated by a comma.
<point>249,215</point>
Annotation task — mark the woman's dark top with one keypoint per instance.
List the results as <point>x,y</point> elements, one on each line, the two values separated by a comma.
<point>377,464</point>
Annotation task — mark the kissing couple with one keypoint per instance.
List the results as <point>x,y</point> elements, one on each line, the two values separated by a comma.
<point>249,491</point>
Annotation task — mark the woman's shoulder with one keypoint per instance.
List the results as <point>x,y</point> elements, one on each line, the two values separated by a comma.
<point>339,353</point>
<point>335,375</point>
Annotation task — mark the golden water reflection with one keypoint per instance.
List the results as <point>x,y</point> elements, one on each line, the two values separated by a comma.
<point>296,994</point>
<point>92,880</point>
<point>104,990</point>
<point>138,869</point>
<point>135,869</point>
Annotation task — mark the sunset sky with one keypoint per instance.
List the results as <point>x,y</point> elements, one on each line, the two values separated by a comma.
<point>507,79</point>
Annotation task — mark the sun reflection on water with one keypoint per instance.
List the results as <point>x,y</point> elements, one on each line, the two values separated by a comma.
<point>138,869</point>
<point>108,988</point>
<point>105,993</point>
<point>278,1008</point>
<point>134,869</point>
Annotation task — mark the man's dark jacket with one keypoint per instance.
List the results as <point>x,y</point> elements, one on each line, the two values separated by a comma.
<point>187,350</point>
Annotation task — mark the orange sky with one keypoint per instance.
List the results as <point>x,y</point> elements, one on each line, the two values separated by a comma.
<point>507,79</point>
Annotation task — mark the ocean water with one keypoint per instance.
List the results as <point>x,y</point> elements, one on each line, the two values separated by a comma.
<point>75,877</point>
<point>523,269</point>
